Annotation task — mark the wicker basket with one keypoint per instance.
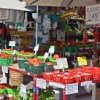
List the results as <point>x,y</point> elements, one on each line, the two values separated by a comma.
<point>15,78</point>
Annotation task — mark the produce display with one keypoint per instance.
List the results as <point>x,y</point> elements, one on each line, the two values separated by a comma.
<point>8,51</point>
<point>24,54</point>
<point>77,75</point>
<point>6,59</point>
<point>8,92</point>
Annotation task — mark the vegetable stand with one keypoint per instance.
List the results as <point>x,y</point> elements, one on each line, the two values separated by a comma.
<point>37,83</point>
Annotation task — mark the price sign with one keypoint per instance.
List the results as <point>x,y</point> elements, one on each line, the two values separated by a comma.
<point>71,88</point>
<point>4,69</point>
<point>62,63</point>
<point>41,83</point>
<point>92,14</point>
<point>36,48</point>
<point>46,56</point>
<point>12,43</point>
<point>52,49</point>
<point>86,83</point>
<point>82,61</point>
<point>23,91</point>
<point>57,85</point>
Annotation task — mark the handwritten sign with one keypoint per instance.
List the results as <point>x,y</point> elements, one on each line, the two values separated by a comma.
<point>71,88</point>
<point>82,61</point>
<point>41,83</point>
<point>93,14</point>
<point>62,63</point>
<point>12,43</point>
<point>52,49</point>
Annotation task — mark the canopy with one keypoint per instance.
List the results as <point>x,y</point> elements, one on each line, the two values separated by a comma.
<point>13,4</point>
<point>61,3</point>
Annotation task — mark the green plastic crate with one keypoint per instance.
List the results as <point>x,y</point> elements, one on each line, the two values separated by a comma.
<point>22,64</point>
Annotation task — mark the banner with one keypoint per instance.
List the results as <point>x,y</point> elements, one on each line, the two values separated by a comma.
<point>3,14</point>
<point>93,14</point>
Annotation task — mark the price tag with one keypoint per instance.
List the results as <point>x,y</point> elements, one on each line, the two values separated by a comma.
<point>57,85</point>
<point>12,43</point>
<point>52,49</point>
<point>14,52</point>
<point>82,61</point>
<point>23,91</point>
<point>46,55</point>
<point>62,63</point>
<point>71,88</point>
<point>86,83</point>
<point>36,48</point>
<point>41,83</point>
<point>4,69</point>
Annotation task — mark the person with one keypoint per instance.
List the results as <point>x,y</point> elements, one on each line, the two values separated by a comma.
<point>7,36</point>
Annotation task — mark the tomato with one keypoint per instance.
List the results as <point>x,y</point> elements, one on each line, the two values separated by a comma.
<point>56,56</point>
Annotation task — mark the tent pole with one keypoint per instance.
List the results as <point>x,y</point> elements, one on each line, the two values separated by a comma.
<point>36,26</point>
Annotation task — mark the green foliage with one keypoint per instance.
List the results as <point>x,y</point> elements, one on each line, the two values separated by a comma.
<point>47,94</point>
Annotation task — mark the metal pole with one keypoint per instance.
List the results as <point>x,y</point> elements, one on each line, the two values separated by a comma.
<point>36,36</point>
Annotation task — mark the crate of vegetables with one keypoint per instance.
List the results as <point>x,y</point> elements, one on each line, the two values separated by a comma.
<point>6,59</point>
<point>23,54</point>
<point>36,66</point>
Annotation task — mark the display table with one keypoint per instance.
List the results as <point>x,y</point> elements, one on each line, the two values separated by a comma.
<point>52,84</point>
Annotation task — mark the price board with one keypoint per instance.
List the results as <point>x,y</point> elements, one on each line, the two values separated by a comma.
<point>41,83</point>
<point>93,14</point>
<point>82,61</point>
<point>71,88</point>
<point>62,63</point>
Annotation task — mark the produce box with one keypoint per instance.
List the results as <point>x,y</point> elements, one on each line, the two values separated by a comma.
<point>22,64</point>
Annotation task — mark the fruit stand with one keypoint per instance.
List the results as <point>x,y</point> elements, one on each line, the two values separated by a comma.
<point>45,75</point>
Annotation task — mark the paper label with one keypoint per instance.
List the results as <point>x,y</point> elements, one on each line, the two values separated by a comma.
<point>62,63</point>
<point>52,49</point>
<point>4,69</point>
<point>36,48</point>
<point>46,55</point>
<point>41,83</point>
<point>12,43</point>
<point>71,88</point>
<point>82,61</point>
<point>57,85</point>
<point>86,83</point>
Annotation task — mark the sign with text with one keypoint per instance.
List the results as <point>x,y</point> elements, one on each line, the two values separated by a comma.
<point>71,88</point>
<point>62,63</point>
<point>41,83</point>
<point>93,14</point>
<point>4,14</point>
<point>12,43</point>
<point>82,61</point>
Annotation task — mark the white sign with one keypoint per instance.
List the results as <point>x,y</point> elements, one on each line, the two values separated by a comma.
<point>57,85</point>
<point>46,55</point>
<point>86,83</point>
<point>23,91</point>
<point>62,63</point>
<point>71,88</point>
<point>41,83</point>
<point>34,15</point>
<point>36,48</point>
<point>12,43</point>
<point>52,49</point>
<point>4,14</point>
<point>93,14</point>
<point>4,69</point>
